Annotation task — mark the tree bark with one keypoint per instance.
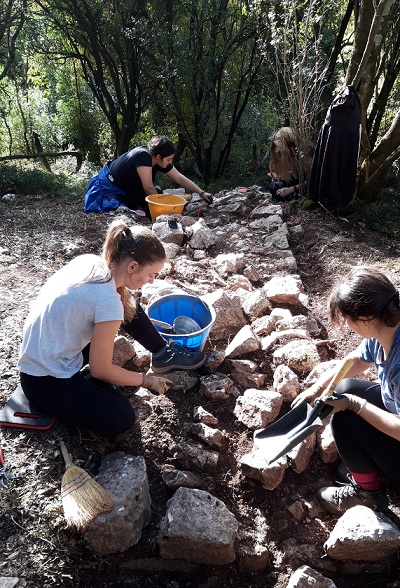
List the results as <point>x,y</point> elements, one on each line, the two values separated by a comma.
<point>380,159</point>
<point>373,22</point>
<point>77,154</point>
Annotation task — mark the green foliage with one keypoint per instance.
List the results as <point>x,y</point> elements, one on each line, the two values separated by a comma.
<point>80,120</point>
<point>381,216</point>
<point>219,82</point>
<point>308,204</point>
<point>24,181</point>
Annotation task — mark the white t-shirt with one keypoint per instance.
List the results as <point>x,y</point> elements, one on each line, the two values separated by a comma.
<point>61,320</point>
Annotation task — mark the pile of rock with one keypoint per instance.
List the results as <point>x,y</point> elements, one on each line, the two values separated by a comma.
<point>262,324</point>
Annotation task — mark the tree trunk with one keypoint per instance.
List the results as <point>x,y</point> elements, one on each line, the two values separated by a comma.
<point>377,164</point>
<point>373,22</point>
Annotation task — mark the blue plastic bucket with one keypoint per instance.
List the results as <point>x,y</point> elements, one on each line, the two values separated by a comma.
<point>167,308</point>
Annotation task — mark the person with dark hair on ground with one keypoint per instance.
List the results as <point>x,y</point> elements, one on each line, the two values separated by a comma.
<point>73,322</point>
<point>130,178</point>
<point>365,423</point>
<point>283,166</point>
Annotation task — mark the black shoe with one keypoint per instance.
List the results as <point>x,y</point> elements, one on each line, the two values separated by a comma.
<point>176,357</point>
<point>337,500</point>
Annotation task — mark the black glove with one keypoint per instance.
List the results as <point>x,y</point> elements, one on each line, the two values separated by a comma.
<point>206,197</point>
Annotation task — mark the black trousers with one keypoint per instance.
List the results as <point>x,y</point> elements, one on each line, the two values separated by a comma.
<point>91,404</point>
<point>362,447</point>
<point>135,200</point>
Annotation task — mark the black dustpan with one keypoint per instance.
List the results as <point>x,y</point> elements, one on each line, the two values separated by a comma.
<point>300,422</point>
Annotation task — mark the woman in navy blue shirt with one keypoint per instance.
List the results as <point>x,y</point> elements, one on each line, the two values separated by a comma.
<point>366,422</point>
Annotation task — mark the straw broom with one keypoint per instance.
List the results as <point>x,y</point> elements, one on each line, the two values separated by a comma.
<point>83,499</point>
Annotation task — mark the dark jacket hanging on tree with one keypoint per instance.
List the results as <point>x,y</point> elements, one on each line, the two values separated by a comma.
<point>334,168</point>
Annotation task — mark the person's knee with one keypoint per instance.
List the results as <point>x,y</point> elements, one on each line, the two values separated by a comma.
<point>346,386</point>
<point>120,421</point>
<point>343,421</point>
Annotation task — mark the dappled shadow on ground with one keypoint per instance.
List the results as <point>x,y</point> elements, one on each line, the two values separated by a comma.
<point>38,236</point>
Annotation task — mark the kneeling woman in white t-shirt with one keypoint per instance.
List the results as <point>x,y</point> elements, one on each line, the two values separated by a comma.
<point>74,321</point>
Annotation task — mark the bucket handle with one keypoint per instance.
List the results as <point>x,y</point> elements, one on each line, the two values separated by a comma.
<point>168,290</point>
<point>173,289</point>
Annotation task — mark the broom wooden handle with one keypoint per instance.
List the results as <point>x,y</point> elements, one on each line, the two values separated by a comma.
<point>338,377</point>
<point>65,453</point>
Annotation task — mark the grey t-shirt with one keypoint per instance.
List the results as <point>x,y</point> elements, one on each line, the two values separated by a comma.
<point>62,318</point>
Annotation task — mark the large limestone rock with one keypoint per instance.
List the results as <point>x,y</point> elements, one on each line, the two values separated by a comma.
<point>257,408</point>
<point>229,314</point>
<point>167,234</point>
<point>282,337</point>
<point>201,236</point>
<point>265,210</point>
<point>286,382</point>
<point>266,224</point>
<point>326,444</point>
<point>238,281</point>
<point>362,534</point>
<point>299,457</point>
<point>279,241</point>
<point>174,479</point>
<point>306,577</point>
<point>217,387</point>
<point>197,527</point>
<point>282,290</point>
<point>125,478</point>
<point>300,355</point>
<point>243,342</point>
<point>213,437</point>
<point>264,325</point>
<point>255,304</point>
<point>244,372</point>
<point>229,263</point>
<point>254,466</point>
<point>194,456</point>
<point>123,350</point>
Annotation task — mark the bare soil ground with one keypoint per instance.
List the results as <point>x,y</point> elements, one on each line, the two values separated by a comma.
<point>37,237</point>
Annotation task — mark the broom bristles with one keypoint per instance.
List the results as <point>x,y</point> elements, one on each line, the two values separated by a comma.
<point>83,499</point>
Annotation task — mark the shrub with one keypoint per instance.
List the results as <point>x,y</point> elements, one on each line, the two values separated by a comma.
<point>25,181</point>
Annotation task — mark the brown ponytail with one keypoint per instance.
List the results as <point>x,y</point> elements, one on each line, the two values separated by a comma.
<point>124,243</point>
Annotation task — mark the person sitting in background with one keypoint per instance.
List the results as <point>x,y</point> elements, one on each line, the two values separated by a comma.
<point>365,423</point>
<point>73,322</point>
<point>283,165</point>
<point>130,178</point>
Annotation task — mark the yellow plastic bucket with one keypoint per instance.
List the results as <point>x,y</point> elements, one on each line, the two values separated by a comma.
<point>165,204</point>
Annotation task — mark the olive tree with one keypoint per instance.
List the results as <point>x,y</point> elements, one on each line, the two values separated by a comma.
<point>12,18</point>
<point>373,70</point>
<point>307,38</point>
<point>321,45</point>
<point>208,60</point>
<point>108,40</point>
